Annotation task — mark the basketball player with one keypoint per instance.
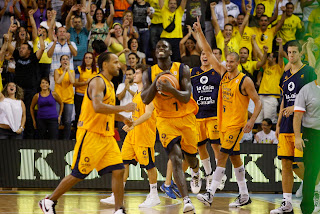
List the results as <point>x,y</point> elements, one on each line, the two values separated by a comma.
<point>138,145</point>
<point>176,121</point>
<point>235,91</point>
<point>205,83</point>
<point>96,146</point>
<point>291,82</point>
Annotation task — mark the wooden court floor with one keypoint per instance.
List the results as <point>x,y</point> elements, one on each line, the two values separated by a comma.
<point>88,202</point>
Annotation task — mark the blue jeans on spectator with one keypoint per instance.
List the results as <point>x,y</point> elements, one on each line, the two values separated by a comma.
<point>144,37</point>
<point>8,134</point>
<point>66,119</point>
<point>48,128</point>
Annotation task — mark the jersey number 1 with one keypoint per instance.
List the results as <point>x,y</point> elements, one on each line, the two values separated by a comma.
<point>176,104</point>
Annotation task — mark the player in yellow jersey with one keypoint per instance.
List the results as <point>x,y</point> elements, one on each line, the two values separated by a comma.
<point>96,147</point>
<point>176,121</point>
<point>138,145</point>
<point>235,91</point>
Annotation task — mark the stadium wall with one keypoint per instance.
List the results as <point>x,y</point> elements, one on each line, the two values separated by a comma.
<point>42,164</point>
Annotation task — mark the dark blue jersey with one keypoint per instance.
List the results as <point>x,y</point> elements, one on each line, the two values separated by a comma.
<point>291,85</point>
<point>205,87</point>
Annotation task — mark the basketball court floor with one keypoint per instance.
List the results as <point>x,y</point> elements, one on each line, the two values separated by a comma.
<point>88,202</point>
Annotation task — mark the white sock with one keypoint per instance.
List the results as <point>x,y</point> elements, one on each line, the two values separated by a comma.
<point>207,165</point>
<point>153,189</point>
<point>186,199</point>
<point>216,161</point>
<point>287,197</point>
<point>216,179</point>
<point>124,185</point>
<point>166,185</point>
<point>241,180</point>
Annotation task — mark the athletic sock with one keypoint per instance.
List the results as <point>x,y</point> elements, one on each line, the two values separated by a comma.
<point>241,180</point>
<point>216,179</point>
<point>193,173</point>
<point>186,199</point>
<point>166,185</point>
<point>287,197</point>
<point>153,189</point>
<point>207,165</point>
<point>124,185</point>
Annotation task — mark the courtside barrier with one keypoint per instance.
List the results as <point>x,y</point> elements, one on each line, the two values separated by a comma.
<point>43,163</point>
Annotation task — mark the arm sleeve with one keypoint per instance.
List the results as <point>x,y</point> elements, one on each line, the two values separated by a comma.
<point>300,102</point>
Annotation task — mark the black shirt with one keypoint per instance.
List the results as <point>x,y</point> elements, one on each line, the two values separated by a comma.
<point>26,72</point>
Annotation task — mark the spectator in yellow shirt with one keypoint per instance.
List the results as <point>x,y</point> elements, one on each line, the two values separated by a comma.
<point>290,26</point>
<point>172,25</point>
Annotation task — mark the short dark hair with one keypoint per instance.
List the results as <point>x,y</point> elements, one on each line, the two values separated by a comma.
<point>264,7</point>
<point>77,17</point>
<point>63,56</point>
<point>29,46</point>
<point>45,79</point>
<point>246,49</point>
<point>295,43</point>
<point>275,55</point>
<point>268,121</point>
<point>48,9</point>
<point>241,14</point>
<point>136,55</point>
<point>228,24</point>
<point>99,46</point>
<point>290,3</point>
<point>220,51</point>
<point>264,15</point>
<point>163,40</point>
<point>104,57</point>
<point>130,41</point>
<point>130,69</point>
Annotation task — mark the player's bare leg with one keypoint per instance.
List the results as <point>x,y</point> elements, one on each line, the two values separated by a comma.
<point>65,185</point>
<point>117,187</point>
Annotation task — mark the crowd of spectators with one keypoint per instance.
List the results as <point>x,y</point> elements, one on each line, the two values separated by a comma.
<point>49,49</point>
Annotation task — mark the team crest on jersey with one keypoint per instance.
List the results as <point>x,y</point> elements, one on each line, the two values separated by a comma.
<point>302,76</point>
<point>86,159</point>
<point>291,86</point>
<point>204,80</point>
<point>230,137</point>
<point>213,73</point>
<point>197,72</point>
<point>286,77</point>
<point>144,152</point>
<point>175,72</point>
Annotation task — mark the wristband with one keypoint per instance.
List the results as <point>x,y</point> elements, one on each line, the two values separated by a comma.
<point>21,128</point>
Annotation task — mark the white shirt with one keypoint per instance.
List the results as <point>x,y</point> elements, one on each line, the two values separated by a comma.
<point>127,97</point>
<point>46,26</point>
<point>232,9</point>
<point>266,138</point>
<point>11,113</point>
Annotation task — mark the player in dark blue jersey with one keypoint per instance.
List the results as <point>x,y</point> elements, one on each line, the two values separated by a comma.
<point>291,82</point>
<point>205,84</point>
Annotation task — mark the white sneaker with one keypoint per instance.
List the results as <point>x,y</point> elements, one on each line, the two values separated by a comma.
<point>316,200</point>
<point>241,200</point>
<point>188,207</point>
<point>286,207</point>
<point>120,211</point>
<point>151,201</point>
<point>299,191</point>
<point>223,182</point>
<point>110,200</point>
<point>195,183</point>
<point>205,198</point>
<point>47,206</point>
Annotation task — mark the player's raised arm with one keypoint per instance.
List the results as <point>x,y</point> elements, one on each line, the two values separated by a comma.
<point>96,93</point>
<point>207,49</point>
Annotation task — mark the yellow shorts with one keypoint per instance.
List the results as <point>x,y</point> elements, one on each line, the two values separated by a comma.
<point>181,130</point>
<point>208,130</point>
<point>230,141</point>
<point>95,151</point>
<point>286,149</point>
<point>131,154</point>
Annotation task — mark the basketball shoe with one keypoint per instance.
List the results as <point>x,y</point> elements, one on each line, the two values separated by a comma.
<point>109,200</point>
<point>47,206</point>
<point>286,207</point>
<point>120,211</point>
<point>241,200</point>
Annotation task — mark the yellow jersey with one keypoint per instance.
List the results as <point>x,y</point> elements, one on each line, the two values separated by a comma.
<point>36,46</point>
<point>144,134</point>
<point>233,44</point>
<point>289,28</point>
<point>171,107</point>
<point>95,122</point>
<point>249,66</point>
<point>271,80</point>
<point>246,40</point>
<point>1,86</point>
<point>232,104</point>
<point>84,76</point>
<point>65,88</point>
<point>264,38</point>
<point>157,16</point>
